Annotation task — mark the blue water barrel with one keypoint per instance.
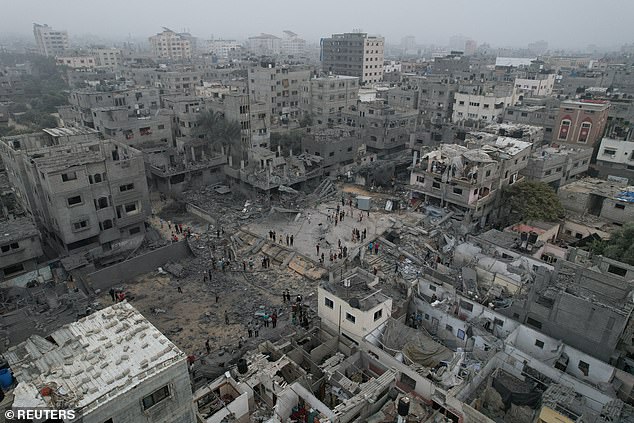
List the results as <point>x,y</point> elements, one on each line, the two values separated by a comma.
<point>6,378</point>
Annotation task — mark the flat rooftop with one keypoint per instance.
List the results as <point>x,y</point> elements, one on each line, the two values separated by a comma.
<point>362,293</point>
<point>93,360</point>
<point>65,132</point>
<point>16,229</point>
<point>600,187</point>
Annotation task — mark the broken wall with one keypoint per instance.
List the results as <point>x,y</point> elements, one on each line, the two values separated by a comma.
<point>113,275</point>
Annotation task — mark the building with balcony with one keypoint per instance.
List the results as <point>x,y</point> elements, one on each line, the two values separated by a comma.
<point>279,87</point>
<point>469,181</point>
<point>384,129</point>
<point>324,98</point>
<point>136,130</point>
<point>89,196</point>
<point>482,103</point>
<point>171,45</point>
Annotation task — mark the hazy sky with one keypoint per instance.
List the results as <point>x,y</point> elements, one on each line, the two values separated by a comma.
<point>563,23</point>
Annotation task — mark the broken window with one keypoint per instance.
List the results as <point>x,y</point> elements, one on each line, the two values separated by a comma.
<point>584,367</point>
<point>534,323</point>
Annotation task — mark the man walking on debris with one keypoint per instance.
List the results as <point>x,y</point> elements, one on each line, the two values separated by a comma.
<point>112,295</point>
<point>249,329</point>
<point>217,298</point>
<point>207,346</point>
<point>291,240</point>
<point>274,319</point>
<point>287,240</point>
<point>226,318</point>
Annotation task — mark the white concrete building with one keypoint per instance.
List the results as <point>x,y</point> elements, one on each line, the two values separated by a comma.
<point>265,44</point>
<point>615,158</point>
<point>107,57</point>
<point>292,45</point>
<point>76,62</point>
<point>49,41</point>
<point>113,365</point>
<point>485,107</point>
<point>222,48</point>
<point>352,306</point>
<point>171,45</point>
<point>391,66</point>
<point>537,86</point>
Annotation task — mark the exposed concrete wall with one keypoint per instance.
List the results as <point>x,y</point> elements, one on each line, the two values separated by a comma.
<point>197,211</point>
<point>113,275</point>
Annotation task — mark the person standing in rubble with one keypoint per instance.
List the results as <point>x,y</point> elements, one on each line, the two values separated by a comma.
<point>112,294</point>
<point>317,246</point>
<point>274,319</point>
<point>207,347</point>
<point>292,240</point>
<point>226,318</point>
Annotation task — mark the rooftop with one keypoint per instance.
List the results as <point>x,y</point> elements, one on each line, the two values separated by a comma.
<point>95,359</point>
<point>586,104</point>
<point>610,189</point>
<point>16,229</point>
<point>359,287</point>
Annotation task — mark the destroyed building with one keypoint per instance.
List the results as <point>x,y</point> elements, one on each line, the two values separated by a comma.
<point>611,201</point>
<point>470,181</point>
<point>112,365</point>
<point>83,196</point>
<point>135,129</point>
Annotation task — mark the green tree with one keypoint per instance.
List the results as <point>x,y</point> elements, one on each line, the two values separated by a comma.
<point>619,247</point>
<point>219,131</point>
<point>532,201</point>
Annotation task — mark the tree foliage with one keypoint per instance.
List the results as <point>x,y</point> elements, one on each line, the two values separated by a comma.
<point>619,247</point>
<point>533,201</point>
<point>219,131</point>
<point>287,141</point>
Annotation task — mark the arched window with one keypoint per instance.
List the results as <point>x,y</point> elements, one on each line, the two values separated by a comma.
<point>564,129</point>
<point>586,126</point>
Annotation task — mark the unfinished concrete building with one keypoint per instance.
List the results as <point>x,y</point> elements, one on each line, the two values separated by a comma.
<point>113,344</point>
<point>557,166</point>
<point>435,99</point>
<point>482,103</point>
<point>469,180</point>
<point>382,128</point>
<point>85,196</point>
<point>337,146</point>
<point>324,98</point>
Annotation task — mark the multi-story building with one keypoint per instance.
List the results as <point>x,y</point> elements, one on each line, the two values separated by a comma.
<point>615,158</point>
<point>541,112</point>
<point>76,62</point>
<point>107,57</point>
<point>482,103</point>
<point>137,130</point>
<point>469,180</point>
<point>435,98</point>
<point>265,44</point>
<point>169,81</point>
<point>222,48</point>
<point>337,146</point>
<point>279,87</point>
<point>235,105</point>
<point>153,375</point>
<point>88,195</point>
<point>382,128</point>
<point>171,45</point>
<point>324,98</point>
<point>138,101</point>
<point>352,306</point>
<point>292,45</point>
<point>49,41</point>
<point>20,247</point>
<point>535,84</point>
<point>354,54</point>
<point>581,122</point>
<point>557,166</point>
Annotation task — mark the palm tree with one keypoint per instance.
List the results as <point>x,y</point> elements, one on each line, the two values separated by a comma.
<point>214,127</point>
